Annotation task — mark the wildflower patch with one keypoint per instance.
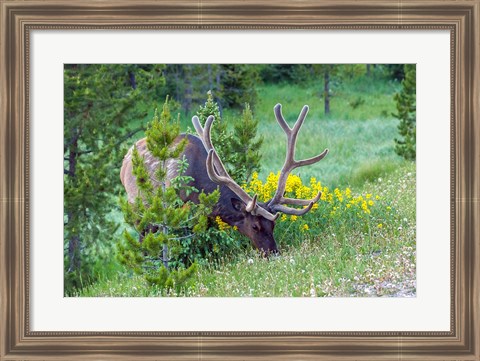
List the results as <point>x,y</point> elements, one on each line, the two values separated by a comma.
<point>337,208</point>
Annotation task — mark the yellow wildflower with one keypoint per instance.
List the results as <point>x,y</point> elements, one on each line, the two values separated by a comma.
<point>329,197</point>
<point>370,203</point>
<point>293,182</point>
<point>348,193</point>
<point>338,194</point>
<point>380,225</point>
<point>293,218</point>
<point>221,224</point>
<point>305,227</point>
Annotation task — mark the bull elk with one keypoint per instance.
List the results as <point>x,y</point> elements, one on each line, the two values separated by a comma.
<point>254,219</point>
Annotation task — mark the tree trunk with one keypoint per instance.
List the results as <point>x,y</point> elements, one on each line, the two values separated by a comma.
<point>187,103</point>
<point>165,256</point>
<point>210,77</point>
<point>218,79</point>
<point>326,90</point>
<point>164,226</point>
<point>74,240</point>
<point>73,253</point>
<point>133,81</point>
<point>73,152</point>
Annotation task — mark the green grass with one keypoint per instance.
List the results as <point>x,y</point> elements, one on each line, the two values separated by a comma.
<point>351,145</point>
<point>353,136</point>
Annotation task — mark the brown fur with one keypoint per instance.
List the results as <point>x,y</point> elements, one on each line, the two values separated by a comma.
<point>126,172</point>
<point>230,209</point>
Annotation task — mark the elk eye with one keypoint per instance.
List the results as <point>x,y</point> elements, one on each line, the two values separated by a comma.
<point>255,227</point>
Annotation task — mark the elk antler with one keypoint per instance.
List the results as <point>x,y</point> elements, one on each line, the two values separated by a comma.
<point>218,174</point>
<point>276,203</point>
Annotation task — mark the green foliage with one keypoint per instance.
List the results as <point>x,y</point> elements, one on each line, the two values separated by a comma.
<point>233,84</point>
<point>221,138</point>
<point>351,71</point>
<point>99,101</point>
<point>285,73</point>
<point>161,134</point>
<point>239,85</point>
<point>210,245</point>
<point>187,83</point>
<point>406,112</point>
<point>244,147</point>
<point>394,71</point>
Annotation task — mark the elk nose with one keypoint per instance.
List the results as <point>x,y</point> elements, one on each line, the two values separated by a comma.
<point>274,252</point>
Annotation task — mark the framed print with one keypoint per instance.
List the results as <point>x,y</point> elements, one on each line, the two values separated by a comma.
<point>402,232</point>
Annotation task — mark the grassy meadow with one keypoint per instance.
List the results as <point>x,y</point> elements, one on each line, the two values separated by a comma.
<point>360,242</point>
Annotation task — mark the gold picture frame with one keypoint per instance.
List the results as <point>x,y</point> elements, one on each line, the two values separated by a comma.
<point>18,18</point>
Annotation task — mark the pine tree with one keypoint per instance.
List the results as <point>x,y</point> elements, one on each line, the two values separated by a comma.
<point>406,112</point>
<point>159,214</point>
<point>220,136</point>
<point>99,102</point>
<point>238,84</point>
<point>245,147</point>
<point>328,72</point>
<point>240,149</point>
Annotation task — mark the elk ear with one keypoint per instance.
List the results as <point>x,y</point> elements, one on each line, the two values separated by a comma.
<point>238,205</point>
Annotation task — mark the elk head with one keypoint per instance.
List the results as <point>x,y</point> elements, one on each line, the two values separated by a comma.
<point>254,219</point>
